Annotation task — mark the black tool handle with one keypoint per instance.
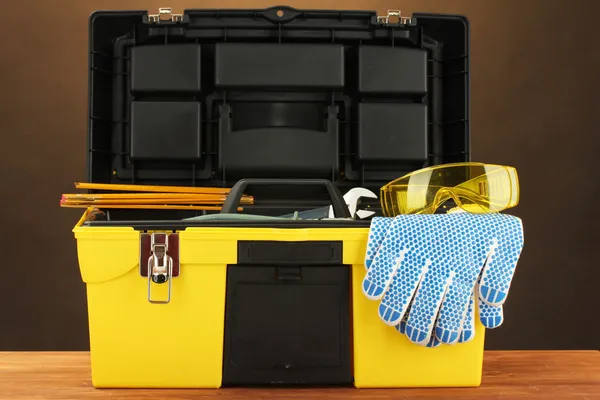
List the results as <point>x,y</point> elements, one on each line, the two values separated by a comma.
<point>340,209</point>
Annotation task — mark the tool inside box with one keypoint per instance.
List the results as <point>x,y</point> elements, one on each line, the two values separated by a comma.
<point>212,96</point>
<point>209,97</point>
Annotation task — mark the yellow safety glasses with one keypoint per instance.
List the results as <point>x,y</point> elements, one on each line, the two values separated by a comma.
<point>475,187</point>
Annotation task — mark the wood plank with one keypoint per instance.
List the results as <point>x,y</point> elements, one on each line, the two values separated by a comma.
<point>554,375</point>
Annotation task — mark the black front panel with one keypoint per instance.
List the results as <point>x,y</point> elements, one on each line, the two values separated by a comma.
<point>287,322</point>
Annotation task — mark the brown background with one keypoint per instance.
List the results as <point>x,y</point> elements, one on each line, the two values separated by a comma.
<point>535,86</point>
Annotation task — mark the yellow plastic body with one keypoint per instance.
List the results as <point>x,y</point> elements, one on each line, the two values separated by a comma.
<point>135,343</point>
<point>384,358</point>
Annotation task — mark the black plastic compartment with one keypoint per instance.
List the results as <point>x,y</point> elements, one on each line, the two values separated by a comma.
<point>279,65</point>
<point>395,70</point>
<point>165,130</point>
<point>378,140</point>
<point>168,69</point>
<point>222,95</point>
<point>228,94</point>
<point>288,315</point>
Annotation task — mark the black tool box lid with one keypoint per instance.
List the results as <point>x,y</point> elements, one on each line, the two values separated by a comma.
<point>208,97</point>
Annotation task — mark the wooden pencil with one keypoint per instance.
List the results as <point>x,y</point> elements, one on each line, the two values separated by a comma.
<point>150,207</point>
<point>168,199</point>
<point>150,188</point>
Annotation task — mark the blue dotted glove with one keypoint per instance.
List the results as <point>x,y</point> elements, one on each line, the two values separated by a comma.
<point>490,316</point>
<point>433,262</point>
<point>493,284</point>
<point>377,232</point>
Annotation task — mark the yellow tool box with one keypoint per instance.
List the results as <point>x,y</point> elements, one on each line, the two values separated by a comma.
<point>293,107</point>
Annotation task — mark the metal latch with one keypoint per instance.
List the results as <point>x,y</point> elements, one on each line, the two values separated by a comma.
<point>159,261</point>
<point>164,14</point>
<point>394,14</point>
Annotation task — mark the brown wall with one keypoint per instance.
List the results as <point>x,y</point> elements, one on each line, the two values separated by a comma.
<point>535,84</point>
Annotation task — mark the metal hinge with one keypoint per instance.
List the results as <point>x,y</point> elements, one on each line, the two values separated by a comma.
<point>394,16</point>
<point>164,14</point>
<point>159,261</point>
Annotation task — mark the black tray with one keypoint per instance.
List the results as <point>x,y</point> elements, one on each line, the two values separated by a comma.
<point>213,96</point>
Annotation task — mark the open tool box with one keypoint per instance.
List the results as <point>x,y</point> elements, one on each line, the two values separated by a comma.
<point>296,107</point>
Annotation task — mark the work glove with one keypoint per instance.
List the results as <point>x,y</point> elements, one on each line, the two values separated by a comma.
<point>493,284</point>
<point>490,316</point>
<point>433,262</point>
<point>377,232</point>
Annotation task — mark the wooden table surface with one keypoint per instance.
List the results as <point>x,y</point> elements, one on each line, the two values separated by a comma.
<point>507,375</point>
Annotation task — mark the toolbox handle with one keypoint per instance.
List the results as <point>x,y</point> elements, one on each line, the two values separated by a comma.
<point>340,209</point>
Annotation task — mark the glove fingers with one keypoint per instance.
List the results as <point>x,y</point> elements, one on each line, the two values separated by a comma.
<point>433,342</point>
<point>401,327</point>
<point>500,266</point>
<point>490,316</point>
<point>496,279</point>
<point>401,237</point>
<point>468,331</point>
<point>463,254</point>
<point>383,267</point>
<point>391,310</point>
<point>379,227</point>
<point>425,308</point>
<point>452,314</point>
<point>397,299</point>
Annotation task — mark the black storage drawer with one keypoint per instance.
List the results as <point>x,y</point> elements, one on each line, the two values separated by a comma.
<point>288,323</point>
